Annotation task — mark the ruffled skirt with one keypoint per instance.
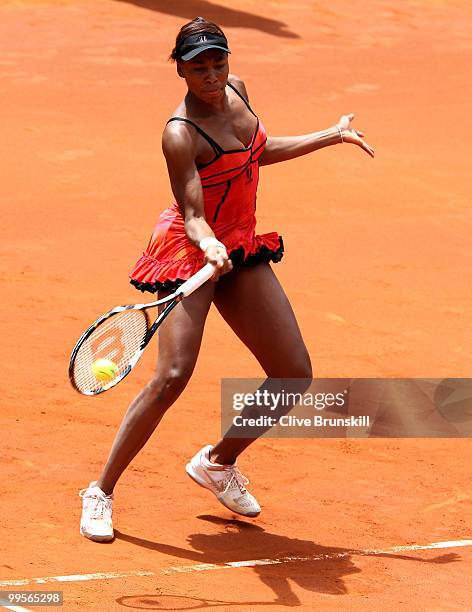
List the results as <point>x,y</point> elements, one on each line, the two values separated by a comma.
<point>170,258</point>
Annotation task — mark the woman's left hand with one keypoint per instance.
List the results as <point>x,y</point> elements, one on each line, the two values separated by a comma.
<point>353,136</point>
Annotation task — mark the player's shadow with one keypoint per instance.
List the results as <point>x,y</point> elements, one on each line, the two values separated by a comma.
<point>321,568</point>
<point>224,16</point>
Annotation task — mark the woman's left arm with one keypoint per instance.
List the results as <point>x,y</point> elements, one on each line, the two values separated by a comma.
<point>281,148</point>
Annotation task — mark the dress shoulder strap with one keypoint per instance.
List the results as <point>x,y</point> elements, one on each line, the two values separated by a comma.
<point>214,145</point>
<point>242,98</point>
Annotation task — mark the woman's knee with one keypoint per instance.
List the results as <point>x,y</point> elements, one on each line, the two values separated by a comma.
<point>301,374</point>
<point>298,366</point>
<point>167,385</point>
<point>302,367</point>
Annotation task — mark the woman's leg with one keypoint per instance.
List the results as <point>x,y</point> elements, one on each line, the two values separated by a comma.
<point>180,338</point>
<point>253,303</point>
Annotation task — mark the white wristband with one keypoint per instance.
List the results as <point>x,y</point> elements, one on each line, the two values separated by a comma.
<point>210,241</point>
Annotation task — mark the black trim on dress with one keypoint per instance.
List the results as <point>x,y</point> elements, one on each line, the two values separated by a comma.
<point>228,187</point>
<point>242,98</point>
<point>214,145</point>
<point>263,255</point>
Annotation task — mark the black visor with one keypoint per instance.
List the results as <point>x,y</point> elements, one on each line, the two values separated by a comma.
<point>196,43</point>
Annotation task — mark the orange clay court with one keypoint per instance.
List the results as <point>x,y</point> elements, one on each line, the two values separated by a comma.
<point>377,268</point>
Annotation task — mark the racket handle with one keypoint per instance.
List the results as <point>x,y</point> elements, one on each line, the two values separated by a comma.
<point>196,281</point>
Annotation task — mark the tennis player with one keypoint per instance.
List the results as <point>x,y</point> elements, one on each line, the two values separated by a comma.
<point>213,144</point>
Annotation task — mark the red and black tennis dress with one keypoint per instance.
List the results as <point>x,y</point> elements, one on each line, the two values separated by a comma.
<point>229,185</point>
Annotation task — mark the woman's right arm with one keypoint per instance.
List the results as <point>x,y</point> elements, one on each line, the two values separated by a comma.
<point>180,151</point>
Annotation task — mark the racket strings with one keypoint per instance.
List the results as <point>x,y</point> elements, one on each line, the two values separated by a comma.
<point>117,339</point>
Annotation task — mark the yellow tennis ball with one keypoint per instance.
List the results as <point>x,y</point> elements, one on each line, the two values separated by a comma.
<point>104,369</point>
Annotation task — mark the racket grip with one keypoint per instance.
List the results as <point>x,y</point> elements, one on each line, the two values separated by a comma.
<point>196,281</point>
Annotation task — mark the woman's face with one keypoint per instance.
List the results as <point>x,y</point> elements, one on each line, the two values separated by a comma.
<point>206,74</point>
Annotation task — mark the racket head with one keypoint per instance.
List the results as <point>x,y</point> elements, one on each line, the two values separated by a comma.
<point>120,336</point>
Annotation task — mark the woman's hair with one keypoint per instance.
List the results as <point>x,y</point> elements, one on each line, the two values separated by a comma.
<point>199,25</point>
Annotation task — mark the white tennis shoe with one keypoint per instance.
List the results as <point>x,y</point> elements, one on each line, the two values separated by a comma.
<point>225,481</point>
<point>96,523</point>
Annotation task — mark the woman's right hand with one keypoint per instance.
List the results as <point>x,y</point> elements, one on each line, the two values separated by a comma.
<point>218,256</point>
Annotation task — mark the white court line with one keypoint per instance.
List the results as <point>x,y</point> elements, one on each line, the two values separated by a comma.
<point>16,609</point>
<point>201,567</point>
<point>73,578</point>
<point>347,553</point>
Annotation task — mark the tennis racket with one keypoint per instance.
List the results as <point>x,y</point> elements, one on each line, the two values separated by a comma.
<point>121,335</point>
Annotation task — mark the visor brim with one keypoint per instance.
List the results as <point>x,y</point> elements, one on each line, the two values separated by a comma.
<point>191,54</point>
